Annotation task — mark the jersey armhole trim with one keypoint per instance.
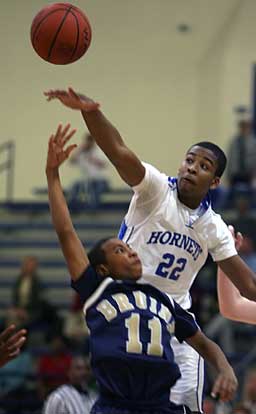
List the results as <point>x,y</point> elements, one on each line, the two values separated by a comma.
<point>98,292</point>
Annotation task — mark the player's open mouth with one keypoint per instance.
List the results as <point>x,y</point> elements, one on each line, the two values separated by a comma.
<point>188,180</point>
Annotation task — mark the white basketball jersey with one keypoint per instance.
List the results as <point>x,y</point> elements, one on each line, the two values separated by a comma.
<point>172,240</point>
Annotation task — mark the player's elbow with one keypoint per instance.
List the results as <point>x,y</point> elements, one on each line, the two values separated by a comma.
<point>249,292</point>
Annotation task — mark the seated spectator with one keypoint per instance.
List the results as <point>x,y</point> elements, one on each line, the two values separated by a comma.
<point>13,381</point>
<point>75,397</point>
<point>245,219</point>
<point>93,166</point>
<point>29,304</point>
<point>209,405</point>
<point>241,168</point>
<point>54,365</point>
<point>241,409</point>
<point>249,390</point>
<point>75,328</point>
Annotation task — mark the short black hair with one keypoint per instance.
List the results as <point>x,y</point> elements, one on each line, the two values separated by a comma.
<point>220,155</point>
<point>97,255</point>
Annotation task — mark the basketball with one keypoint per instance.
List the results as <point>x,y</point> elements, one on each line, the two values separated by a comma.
<point>60,33</point>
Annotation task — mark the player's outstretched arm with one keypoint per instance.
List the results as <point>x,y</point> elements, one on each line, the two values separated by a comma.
<point>231,303</point>
<point>11,343</point>
<point>238,273</point>
<point>226,383</point>
<point>105,134</point>
<point>71,246</point>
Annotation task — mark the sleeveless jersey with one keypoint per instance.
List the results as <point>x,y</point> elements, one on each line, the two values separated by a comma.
<point>131,326</point>
<point>172,240</point>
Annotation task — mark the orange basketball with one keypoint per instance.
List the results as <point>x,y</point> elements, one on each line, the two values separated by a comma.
<point>60,33</point>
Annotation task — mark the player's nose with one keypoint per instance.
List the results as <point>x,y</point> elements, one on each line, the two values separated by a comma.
<point>192,169</point>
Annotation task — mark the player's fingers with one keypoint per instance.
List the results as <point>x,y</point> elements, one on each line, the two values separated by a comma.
<point>69,150</point>
<point>70,135</point>
<point>73,93</point>
<point>216,388</point>
<point>6,333</point>
<point>64,132</point>
<point>17,344</point>
<point>57,137</point>
<point>16,337</point>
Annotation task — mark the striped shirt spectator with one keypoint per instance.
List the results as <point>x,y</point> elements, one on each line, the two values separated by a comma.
<point>75,397</point>
<point>69,400</point>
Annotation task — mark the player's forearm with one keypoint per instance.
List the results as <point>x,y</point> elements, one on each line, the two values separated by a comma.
<point>210,351</point>
<point>110,141</point>
<point>58,206</point>
<point>105,134</point>
<point>240,275</point>
<point>232,304</point>
<point>228,294</point>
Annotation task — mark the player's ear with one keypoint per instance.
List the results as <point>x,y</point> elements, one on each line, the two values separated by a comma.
<point>215,183</point>
<point>102,270</point>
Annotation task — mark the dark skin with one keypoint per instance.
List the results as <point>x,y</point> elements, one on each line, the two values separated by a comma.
<point>121,262</point>
<point>196,176</point>
<point>132,171</point>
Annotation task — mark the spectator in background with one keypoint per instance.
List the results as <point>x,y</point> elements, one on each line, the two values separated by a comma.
<point>241,409</point>
<point>54,365</point>
<point>30,308</point>
<point>75,328</point>
<point>209,405</point>
<point>93,166</point>
<point>13,382</point>
<point>76,396</point>
<point>244,220</point>
<point>241,168</point>
<point>249,391</point>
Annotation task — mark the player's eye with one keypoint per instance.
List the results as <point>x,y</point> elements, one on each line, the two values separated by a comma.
<point>205,167</point>
<point>119,249</point>
<point>189,160</point>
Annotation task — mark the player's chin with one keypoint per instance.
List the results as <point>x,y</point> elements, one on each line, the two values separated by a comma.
<point>136,272</point>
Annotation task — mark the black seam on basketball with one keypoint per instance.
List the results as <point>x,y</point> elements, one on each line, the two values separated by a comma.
<point>77,36</point>
<point>85,19</point>
<point>41,21</point>
<point>57,32</point>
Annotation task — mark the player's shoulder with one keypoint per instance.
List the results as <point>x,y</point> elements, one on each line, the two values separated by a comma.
<point>215,218</point>
<point>153,170</point>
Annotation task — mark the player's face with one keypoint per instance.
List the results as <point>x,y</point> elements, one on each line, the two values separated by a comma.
<point>122,262</point>
<point>197,174</point>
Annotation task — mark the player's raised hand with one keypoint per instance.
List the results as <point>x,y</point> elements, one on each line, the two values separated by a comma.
<point>237,237</point>
<point>57,153</point>
<point>72,100</point>
<point>225,385</point>
<point>10,343</point>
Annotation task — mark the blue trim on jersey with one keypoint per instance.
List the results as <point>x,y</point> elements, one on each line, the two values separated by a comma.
<point>122,230</point>
<point>128,238</point>
<point>199,403</point>
<point>172,182</point>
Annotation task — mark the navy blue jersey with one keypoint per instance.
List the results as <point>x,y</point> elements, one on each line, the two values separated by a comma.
<point>131,325</point>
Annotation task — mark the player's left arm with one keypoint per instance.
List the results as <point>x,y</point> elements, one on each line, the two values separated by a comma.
<point>226,383</point>
<point>240,275</point>
<point>71,246</point>
<point>231,303</point>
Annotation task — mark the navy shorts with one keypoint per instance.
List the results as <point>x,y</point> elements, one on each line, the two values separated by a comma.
<point>103,408</point>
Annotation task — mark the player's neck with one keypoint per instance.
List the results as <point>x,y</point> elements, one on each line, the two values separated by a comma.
<point>189,202</point>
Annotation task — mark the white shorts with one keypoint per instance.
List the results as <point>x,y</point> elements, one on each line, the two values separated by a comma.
<point>189,388</point>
